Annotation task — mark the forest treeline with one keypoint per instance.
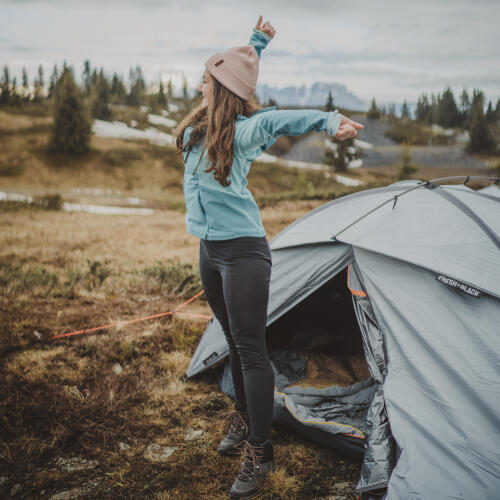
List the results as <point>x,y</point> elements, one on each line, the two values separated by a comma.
<point>95,84</point>
<point>93,97</point>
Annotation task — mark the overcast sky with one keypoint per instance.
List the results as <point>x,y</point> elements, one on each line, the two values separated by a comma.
<point>391,50</point>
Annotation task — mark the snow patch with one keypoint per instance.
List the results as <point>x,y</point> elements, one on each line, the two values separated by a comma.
<point>120,130</point>
<point>161,120</point>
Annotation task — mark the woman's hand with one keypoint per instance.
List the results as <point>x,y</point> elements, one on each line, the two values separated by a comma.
<point>266,27</point>
<point>348,128</point>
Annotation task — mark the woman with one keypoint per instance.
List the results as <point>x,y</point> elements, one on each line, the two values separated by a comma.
<point>219,139</point>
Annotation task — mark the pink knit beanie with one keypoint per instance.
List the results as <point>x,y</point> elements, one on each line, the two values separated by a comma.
<point>237,69</point>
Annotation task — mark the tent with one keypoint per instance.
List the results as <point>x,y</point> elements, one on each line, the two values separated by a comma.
<point>384,335</point>
<point>492,190</point>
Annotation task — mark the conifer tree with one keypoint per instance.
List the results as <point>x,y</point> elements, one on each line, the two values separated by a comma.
<point>86,77</point>
<point>464,109</point>
<point>481,140</point>
<point>161,98</point>
<point>373,112</point>
<point>5,87</point>
<point>100,98</point>
<point>72,128</point>
<point>184,88</point>
<point>15,98</point>
<point>118,88</point>
<point>405,113</point>
<point>329,102</point>
<point>26,95</point>
<point>423,108</point>
<point>38,85</point>
<point>170,89</point>
<point>391,109</point>
<point>490,113</point>
<point>53,80</point>
<point>137,86</point>
<point>497,110</point>
<point>448,115</point>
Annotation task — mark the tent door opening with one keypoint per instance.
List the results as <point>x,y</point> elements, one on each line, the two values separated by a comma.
<point>323,387</point>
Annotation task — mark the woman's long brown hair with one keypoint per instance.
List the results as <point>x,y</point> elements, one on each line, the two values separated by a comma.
<point>217,126</point>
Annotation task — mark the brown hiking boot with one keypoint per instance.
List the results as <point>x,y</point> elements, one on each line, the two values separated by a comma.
<point>258,462</point>
<point>238,431</point>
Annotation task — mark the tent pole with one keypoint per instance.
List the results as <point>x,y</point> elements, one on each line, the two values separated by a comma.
<point>430,184</point>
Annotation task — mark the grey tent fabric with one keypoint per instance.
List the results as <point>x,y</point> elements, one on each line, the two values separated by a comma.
<point>424,274</point>
<point>424,228</point>
<point>492,190</point>
<point>442,386</point>
<point>318,263</point>
<point>379,457</point>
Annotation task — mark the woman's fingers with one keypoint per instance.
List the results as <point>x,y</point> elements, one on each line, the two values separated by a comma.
<point>346,132</point>
<point>266,27</point>
<point>357,125</point>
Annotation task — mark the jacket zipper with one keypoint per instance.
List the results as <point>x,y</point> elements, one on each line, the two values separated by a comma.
<point>203,212</point>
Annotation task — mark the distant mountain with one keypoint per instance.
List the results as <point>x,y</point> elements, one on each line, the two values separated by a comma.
<point>313,96</point>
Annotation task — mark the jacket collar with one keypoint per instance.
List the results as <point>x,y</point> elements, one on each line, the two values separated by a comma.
<point>241,117</point>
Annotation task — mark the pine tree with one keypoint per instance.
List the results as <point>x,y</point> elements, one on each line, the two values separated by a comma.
<point>184,88</point>
<point>448,115</point>
<point>490,113</point>
<point>464,109</point>
<point>100,98</point>
<point>497,111</point>
<point>170,89</point>
<point>137,87</point>
<point>53,80</point>
<point>161,98</point>
<point>118,88</point>
<point>38,85</point>
<point>481,140</point>
<point>391,109</point>
<point>86,77</point>
<point>423,109</point>
<point>72,128</point>
<point>405,112</point>
<point>5,87</point>
<point>373,112</point>
<point>15,98</point>
<point>26,94</point>
<point>329,103</point>
<point>340,157</point>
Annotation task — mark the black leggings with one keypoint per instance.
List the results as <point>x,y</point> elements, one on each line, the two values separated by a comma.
<point>236,274</point>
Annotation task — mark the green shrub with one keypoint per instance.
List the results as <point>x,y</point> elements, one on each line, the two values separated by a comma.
<point>404,130</point>
<point>15,279</point>
<point>175,279</point>
<point>405,169</point>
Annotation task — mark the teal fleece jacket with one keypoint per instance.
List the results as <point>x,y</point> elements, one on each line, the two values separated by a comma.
<point>214,212</point>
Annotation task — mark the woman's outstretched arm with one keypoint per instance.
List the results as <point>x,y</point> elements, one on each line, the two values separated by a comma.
<point>261,35</point>
<point>262,129</point>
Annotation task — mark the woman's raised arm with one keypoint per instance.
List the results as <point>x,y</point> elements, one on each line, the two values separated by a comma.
<point>262,34</point>
<point>262,129</point>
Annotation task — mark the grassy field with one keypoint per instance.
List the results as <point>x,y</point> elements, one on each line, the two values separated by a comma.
<point>78,414</point>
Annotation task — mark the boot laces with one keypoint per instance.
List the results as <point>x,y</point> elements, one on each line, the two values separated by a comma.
<point>253,458</point>
<point>237,423</point>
